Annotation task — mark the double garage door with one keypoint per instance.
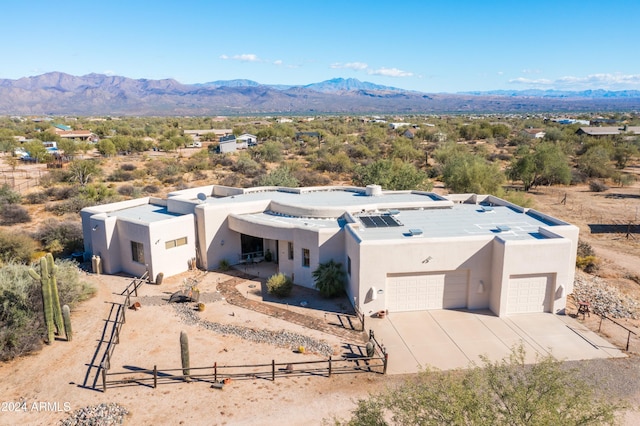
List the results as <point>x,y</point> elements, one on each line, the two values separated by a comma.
<point>529,293</point>
<point>441,290</point>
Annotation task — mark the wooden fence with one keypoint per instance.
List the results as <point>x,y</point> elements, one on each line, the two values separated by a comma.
<point>629,332</point>
<point>119,318</point>
<point>218,373</point>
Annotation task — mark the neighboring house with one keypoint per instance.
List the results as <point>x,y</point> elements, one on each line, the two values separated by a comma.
<point>534,133</point>
<point>401,250</point>
<point>85,135</point>
<point>608,130</point>
<point>62,127</point>
<point>394,126</point>
<point>230,144</point>
<point>218,132</point>
<point>247,139</point>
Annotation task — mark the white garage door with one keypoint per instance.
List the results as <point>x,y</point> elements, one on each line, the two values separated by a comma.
<point>443,290</point>
<point>529,293</point>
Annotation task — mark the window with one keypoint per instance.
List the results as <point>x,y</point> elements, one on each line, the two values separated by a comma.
<point>137,252</point>
<point>348,266</point>
<point>305,257</point>
<point>175,243</point>
<point>290,250</point>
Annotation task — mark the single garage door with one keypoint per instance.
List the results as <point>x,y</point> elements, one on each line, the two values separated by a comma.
<point>529,293</point>
<point>442,290</point>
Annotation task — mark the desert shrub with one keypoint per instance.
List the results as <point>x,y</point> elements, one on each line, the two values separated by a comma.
<point>128,167</point>
<point>62,192</point>
<point>72,205</point>
<point>60,237</point>
<point>38,197</point>
<point>150,189</point>
<point>597,186</point>
<point>519,198</point>
<point>120,176</point>
<point>308,177</point>
<point>9,196</point>
<point>279,285</point>
<point>16,247</point>
<point>54,177</point>
<point>224,265</point>
<point>10,214</point>
<point>586,258</point>
<point>126,190</point>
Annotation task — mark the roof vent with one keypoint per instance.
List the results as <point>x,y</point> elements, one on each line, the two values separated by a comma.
<point>373,190</point>
<point>394,212</point>
<point>487,208</point>
<point>503,228</point>
<point>415,232</point>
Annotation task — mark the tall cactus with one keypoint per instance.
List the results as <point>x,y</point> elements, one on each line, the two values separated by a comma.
<point>53,282</point>
<point>47,302</point>
<point>184,355</point>
<point>66,317</point>
<point>50,300</point>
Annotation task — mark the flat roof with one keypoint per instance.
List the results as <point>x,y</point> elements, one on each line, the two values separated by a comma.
<point>461,220</point>
<point>145,213</point>
<point>347,198</point>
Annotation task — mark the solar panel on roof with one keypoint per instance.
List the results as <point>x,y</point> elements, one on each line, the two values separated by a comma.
<point>379,221</point>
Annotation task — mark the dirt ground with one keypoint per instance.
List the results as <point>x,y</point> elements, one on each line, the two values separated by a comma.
<point>60,378</point>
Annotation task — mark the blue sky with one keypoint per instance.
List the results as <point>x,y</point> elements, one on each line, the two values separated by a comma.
<point>429,46</point>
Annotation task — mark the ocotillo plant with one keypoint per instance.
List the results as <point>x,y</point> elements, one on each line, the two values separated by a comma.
<point>66,317</point>
<point>53,282</point>
<point>47,300</point>
<point>184,355</point>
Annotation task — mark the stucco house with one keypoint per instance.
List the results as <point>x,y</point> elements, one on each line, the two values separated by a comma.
<point>401,250</point>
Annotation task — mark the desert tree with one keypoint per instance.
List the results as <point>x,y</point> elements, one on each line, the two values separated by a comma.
<point>506,392</point>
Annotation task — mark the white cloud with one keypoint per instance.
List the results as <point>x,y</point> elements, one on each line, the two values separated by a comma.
<point>277,62</point>
<point>607,81</point>
<point>391,72</point>
<point>357,66</point>
<point>245,57</point>
<point>109,72</point>
<point>530,71</point>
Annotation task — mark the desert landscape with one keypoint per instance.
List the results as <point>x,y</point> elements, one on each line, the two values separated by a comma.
<point>48,387</point>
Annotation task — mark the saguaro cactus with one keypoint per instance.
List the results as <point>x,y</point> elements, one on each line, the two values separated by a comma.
<point>66,317</point>
<point>53,282</point>
<point>184,355</point>
<point>50,299</point>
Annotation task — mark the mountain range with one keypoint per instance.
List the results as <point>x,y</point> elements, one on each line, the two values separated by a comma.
<point>58,93</point>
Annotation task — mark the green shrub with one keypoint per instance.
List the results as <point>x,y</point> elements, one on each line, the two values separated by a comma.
<point>279,285</point>
<point>39,197</point>
<point>224,265</point>
<point>16,247</point>
<point>10,214</point>
<point>330,278</point>
<point>9,196</point>
<point>60,237</point>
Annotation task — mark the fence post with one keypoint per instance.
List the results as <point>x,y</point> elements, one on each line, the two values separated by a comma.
<point>124,308</point>
<point>215,371</point>
<point>329,365</point>
<point>628,337</point>
<point>104,378</point>
<point>273,370</point>
<point>117,333</point>
<point>155,376</point>
<point>135,289</point>
<point>386,361</point>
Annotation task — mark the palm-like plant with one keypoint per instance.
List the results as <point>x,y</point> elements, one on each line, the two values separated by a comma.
<point>330,278</point>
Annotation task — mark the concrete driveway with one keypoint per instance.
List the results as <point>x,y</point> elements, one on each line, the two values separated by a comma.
<point>449,339</point>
